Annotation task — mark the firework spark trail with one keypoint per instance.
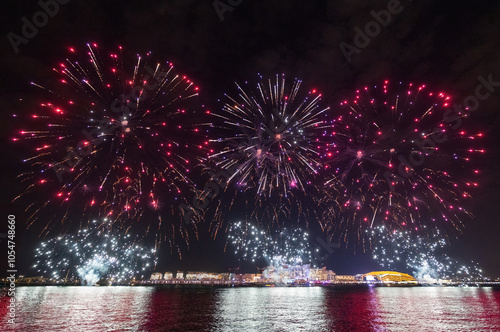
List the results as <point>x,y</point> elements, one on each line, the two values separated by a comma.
<point>269,139</point>
<point>92,254</point>
<point>119,142</point>
<point>395,159</point>
<point>276,247</point>
<point>115,144</point>
<point>422,254</point>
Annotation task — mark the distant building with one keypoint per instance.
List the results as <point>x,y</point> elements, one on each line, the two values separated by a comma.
<point>168,276</point>
<point>299,273</point>
<point>29,280</point>
<point>345,279</point>
<point>246,277</point>
<point>389,277</point>
<point>225,276</point>
<point>205,276</point>
<point>286,273</point>
<point>259,277</point>
<point>156,276</point>
<point>321,275</point>
<point>209,276</point>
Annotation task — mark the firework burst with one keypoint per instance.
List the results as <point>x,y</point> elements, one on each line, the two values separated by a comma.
<point>276,248</point>
<point>424,255</point>
<point>395,160</point>
<point>92,254</point>
<point>269,141</point>
<point>115,139</point>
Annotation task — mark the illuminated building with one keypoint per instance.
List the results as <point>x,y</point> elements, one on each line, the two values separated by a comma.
<point>345,279</point>
<point>203,276</point>
<point>156,276</point>
<point>286,273</point>
<point>247,277</point>
<point>192,275</point>
<point>389,277</point>
<point>321,275</point>
<point>38,279</point>
<point>259,278</point>
<point>224,276</point>
<point>168,276</point>
<point>298,273</point>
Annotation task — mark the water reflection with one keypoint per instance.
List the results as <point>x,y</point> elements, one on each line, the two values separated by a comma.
<point>178,308</point>
<point>80,308</point>
<point>439,308</point>
<point>271,309</point>
<point>353,308</point>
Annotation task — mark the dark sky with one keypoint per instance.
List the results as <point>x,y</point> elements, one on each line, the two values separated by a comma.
<point>445,43</point>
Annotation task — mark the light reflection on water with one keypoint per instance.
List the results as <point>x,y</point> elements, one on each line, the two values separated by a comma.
<point>440,309</point>
<point>80,308</point>
<point>272,309</point>
<point>254,309</point>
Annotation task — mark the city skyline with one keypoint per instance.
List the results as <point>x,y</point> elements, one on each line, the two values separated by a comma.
<point>215,80</point>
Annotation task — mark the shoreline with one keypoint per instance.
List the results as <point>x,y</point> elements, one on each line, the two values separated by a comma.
<point>246,285</point>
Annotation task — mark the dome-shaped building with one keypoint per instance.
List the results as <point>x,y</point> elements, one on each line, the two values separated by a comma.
<point>389,277</point>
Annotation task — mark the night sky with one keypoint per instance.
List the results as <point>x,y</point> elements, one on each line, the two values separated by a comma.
<point>445,44</point>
